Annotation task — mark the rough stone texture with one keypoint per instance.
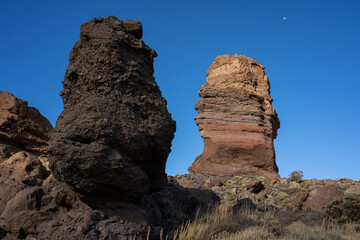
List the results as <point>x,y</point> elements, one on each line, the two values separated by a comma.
<point>236,120</point>
<point>114,135</point>
<point>353,189</point>
<point>194,180</point>
<point>318,200</point>
<point>27,199</point>
<point>19,171</point>
<point>134,27</point>
<point>254,186</point>
<point>35,205</point>
<point>23,126</point>
<point>298,201</point>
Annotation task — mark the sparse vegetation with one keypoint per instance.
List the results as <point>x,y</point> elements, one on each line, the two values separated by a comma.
<point>345,209</point>
<point>296,176</point>
<point>222,223</point>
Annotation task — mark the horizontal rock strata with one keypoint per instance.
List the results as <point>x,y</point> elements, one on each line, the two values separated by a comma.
<point>236,120</point>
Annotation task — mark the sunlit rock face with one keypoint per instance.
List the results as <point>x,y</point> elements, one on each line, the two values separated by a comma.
<point>114,135</point>
<point>23,126</point>
<point>236,120</point>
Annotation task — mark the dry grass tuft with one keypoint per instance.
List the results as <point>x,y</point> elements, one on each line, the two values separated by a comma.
<point>221,223</point>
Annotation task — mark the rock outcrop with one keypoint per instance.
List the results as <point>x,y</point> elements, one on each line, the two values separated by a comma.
<point>318,200</point>
<point>236,120</point>
<point>114,135</point>
<point>23,126</point>
<point>112,138</point>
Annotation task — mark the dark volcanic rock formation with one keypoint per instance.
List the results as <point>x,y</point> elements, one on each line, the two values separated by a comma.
<point>112,138</point>
<point>114,135</point>
<point>23,126</point>
<point>236,120</point>
<point>35,205</point>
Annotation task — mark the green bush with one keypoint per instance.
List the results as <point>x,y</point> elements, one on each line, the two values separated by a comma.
<point>296,176</point>
<point>345,209</point>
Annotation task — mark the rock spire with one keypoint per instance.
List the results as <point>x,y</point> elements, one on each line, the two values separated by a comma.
<point>114,135</point>
<point>236,120</point>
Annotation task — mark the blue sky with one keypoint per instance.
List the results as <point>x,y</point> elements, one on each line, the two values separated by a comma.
<point>311,58</point>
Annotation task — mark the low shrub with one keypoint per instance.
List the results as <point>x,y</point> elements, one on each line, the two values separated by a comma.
<point>345,209</point>
<point>296,176</point>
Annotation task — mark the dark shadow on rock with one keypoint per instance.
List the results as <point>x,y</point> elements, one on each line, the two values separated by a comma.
<point>178,204</point>
<point>286,217</point>
<point>2,233</point>
<point>245,204</point>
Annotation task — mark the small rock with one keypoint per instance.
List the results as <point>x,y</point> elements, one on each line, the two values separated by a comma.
<point>215,183</point>
<point>63,197</point>
<point>261,196</point>
<point>28,199</point>
<point>298,201</point>
<point>134,28</point>
<point>254,186</point>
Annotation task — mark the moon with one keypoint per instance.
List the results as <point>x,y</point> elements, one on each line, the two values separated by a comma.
<point>284,18</point>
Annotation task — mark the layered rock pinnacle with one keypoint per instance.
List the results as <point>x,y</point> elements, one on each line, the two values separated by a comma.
<point>114,135</point>
<point>236,120</point>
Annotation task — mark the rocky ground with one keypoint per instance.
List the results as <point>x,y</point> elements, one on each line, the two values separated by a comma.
<point>290,200</point>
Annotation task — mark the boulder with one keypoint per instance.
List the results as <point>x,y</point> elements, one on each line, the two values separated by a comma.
<point>318,200</point>
<point>236,120</point>
<point>254,186</point>
<point>245,204</point>
<point>27,199</point>
<point>20,171</point>
<point>23,126</point>
<point>298,201</point>
<point>114,135</point>
<point>134,27</point>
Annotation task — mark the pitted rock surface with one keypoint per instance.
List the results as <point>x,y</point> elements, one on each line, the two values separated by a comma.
<point>23,126</point>
<point>236,120</point>
<point>114,135</point>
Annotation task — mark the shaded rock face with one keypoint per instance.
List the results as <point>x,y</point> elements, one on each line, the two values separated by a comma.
<point>236,120</point>
<point>23,126</point>
<point>114,135</point>
<point>322,197</point>
<point>298,201</point>
<point>35,205</point>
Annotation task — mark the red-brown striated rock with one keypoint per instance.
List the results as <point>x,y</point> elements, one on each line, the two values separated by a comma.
<point>23,126</point>
<point>236,120</point>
